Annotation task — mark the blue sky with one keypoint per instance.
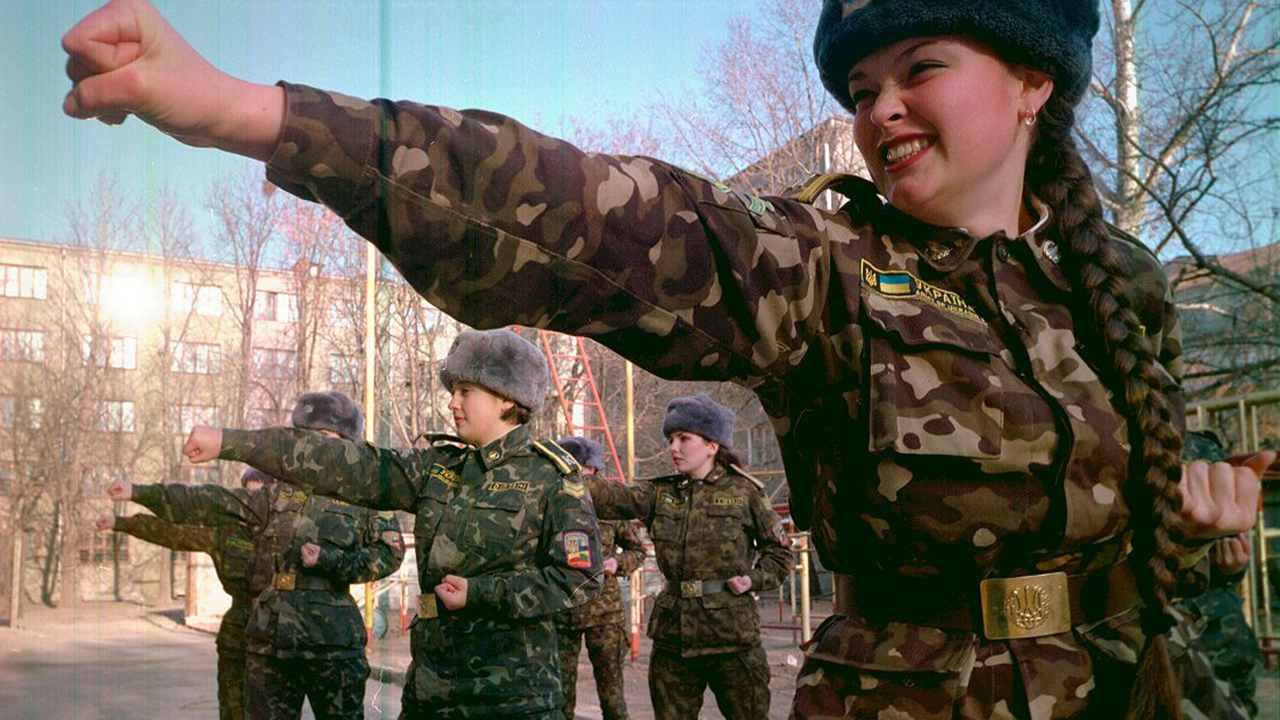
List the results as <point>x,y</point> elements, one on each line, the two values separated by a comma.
<point>537,60</point>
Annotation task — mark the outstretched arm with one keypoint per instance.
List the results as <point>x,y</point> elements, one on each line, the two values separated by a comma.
<point>185,538</point>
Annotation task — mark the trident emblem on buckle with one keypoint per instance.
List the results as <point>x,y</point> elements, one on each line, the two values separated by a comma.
<point>1026,606</point>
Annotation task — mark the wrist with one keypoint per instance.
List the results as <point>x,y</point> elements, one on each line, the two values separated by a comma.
<point>252,121</point>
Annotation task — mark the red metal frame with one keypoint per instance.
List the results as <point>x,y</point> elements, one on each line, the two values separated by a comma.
<point>567,405</point>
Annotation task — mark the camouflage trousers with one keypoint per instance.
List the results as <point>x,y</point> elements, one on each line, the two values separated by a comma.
<point>231,685</point>
<point>1229,643</point>
<point>606,648</point>
<point>276,687</point>
<point>739,681</point>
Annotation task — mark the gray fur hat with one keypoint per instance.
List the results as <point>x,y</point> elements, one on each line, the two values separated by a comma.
<point>499,361</point>
<point>255,474</point>
<point>1054,36</point>
<point>330,410</point>
<point>586,451</point>
<point>701,415</point>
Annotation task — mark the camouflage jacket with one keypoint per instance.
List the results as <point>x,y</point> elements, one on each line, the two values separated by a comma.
<point>303,612</point>
<point>231,546</point>
<point>938,414</point>
<point>703,530</point>
<point>512,517</point>
<point>617,540</point>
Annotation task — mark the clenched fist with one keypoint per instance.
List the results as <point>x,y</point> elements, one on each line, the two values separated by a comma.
<point>310,555</point>
<point>1220,499</point>
<point>203,444</point>
<point>105,522</point>
<point>120,490</point>
<point>452,591</point>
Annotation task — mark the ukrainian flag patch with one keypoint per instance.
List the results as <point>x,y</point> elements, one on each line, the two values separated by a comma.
<point>902,284</point>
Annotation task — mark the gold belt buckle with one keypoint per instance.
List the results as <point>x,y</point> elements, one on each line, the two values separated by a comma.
<point>1025,607</point>
<point>691,588</point>
<point>427,608</point>
<point>286,581</point>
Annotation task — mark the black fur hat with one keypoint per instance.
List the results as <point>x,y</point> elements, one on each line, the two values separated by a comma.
<point>255,474</point>
<point>701,415</point>
<point>330,410</point>
<point>499,361</point>
<point>1054,36</point>
<point>586,451</point>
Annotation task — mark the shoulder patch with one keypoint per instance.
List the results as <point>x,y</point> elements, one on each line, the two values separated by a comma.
<point>563,461</point>
<point>577,549</point>
<point>393,538</point>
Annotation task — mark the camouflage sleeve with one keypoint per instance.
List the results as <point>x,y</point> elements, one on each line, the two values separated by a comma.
<point>205,505</point>
<point>617,501</point>
<point>497,224</point>
<point>187,538</point>
<point>569,564</point>
<point>772,542</point>
<point>380,553</point>
<point>354,472</point>
<point>632,555</point>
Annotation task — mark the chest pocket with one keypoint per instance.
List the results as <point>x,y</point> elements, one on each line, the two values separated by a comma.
<point>336,525</point>
<point>667,518</point>
<point>931,387</point>
<point>497,525</point>
<point>236,555</point>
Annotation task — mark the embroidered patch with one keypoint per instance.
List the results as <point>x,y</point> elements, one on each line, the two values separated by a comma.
<point>444,475</point>
<point>901,284</point>
<point>575,488</point>
<point>670,499</point>
<point>239,544</point>
<point>577,549</point>
<point>394,539</point>
<point>520,485</point>
<point>780,535</point>
<point>733,502</point>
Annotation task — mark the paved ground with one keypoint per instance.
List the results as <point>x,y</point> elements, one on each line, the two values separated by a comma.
<point>123,662</point>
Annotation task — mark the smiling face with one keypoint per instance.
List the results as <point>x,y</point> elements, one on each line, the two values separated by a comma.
<point>939,122</point>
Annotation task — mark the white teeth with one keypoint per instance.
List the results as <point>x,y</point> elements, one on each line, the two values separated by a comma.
<point>900,151</point>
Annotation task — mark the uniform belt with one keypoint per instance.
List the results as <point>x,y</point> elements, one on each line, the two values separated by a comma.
<point>698,588</point>
<point>298,581</point>
<point>997,608</point>
<point>429,607</point>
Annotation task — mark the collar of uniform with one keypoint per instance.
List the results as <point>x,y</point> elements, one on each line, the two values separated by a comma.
<point>1046,251</point>
<point>941,248</point>
<point>495,452</point>
<point>717,472</point>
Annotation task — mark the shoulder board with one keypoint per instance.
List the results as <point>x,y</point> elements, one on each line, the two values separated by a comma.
<point>850,186</point>
<point>660,479</point>
<point>1125,237</point>
<point>563,461</point>
<point>754,480</point>
<point>433,438</point>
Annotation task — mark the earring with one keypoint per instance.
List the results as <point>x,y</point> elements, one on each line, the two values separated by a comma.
<point>1029,118</point>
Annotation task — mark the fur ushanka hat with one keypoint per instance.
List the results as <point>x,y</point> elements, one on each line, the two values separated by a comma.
<point>253,473</point>
<point>499,361</point>
<point>701,415</point>
<point>586,451</point>
<point>1053,36</point>
<point>330,410</point>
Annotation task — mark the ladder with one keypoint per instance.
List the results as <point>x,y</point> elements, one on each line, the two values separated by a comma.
<point>576,388</point>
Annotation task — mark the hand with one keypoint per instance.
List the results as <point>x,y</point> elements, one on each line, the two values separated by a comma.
<point>105,522</point>
<point>1230,554</point>
<point>126,59</point>
<point>452,591</point>
<point>310,555</point>
<point>203,444</point>
<point>739,584</point>
<point>610,566</point>
<point>1221,499</point>
<point>120,490</point>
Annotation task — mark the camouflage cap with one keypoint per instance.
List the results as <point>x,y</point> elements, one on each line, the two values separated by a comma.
<point>586,451</point>
<point>500,361</point>
<point>330,410</point>
<point>701,415</point>
<point>1054,36</point>
<point>1203,445</point>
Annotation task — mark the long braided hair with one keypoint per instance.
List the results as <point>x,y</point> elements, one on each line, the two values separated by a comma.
<point>1058,176</point>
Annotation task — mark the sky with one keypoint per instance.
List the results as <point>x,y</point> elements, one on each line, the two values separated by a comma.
<point>540,61</point>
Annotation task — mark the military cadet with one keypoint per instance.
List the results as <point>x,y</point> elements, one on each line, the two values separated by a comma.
<point>305,636</point>
<point>601,623</point>
<point>973,378</point>
<point>505,531</point>
<point>231,546</point>
<point>716,539</point>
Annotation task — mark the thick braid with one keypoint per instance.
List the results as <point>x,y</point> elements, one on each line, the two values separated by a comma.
<point>1059,177</point>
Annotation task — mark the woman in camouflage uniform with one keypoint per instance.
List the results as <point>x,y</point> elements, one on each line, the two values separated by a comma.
<point>975,384</point>
<point>716,539</point>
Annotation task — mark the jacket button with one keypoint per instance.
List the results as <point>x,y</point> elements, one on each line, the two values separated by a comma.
<point>1002,252</point>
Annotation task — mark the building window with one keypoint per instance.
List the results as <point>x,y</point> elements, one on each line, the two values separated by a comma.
<point>100,547</point>
<point>275,306</point>
<point>20,281</point>
<point>22,346</point>
<point>341,315</point>
<point>8,476</point>
<point>275,363</point>
<point>197,358</point>
<point>184,417</point>
<point>20,412</point>
<point>120,353</point>
<point>113,416</point>
<point>261,417</point>
<point>96,478</point>
<point>344,369</point>
<point>201,299</point>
